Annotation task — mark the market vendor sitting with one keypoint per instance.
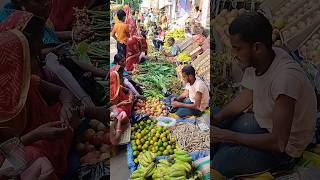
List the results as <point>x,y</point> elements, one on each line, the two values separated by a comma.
<point>175,49</point>
<point>283,123</point>
<point>197,92</point>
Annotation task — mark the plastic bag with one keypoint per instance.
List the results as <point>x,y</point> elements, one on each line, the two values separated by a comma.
<point>138,117</point>
<point>98,171</point>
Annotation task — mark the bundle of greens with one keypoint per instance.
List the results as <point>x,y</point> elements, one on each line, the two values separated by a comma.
<point>221,68</point>
<point>93,53</point>
<point>156,78</point>
<point>93,23</point>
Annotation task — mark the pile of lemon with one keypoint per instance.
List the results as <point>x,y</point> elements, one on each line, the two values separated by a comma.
<point>148,136</point>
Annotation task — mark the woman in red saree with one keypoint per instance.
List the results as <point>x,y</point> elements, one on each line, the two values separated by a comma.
<point>121,101</point>
<point>130,20</point>
<point>143,44</point>
<point>133,53</point>
<point>26,114</point>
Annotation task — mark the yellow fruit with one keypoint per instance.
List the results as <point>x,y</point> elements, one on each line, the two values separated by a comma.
<point>151,142</point>
<point>138,142</point>
<point>139,136</point>
<point>173,139</point>
<point>136,161</point>
<point>139,147</point>
<point>163,139</point>
<point>165,152</point>
<point>155,139</point>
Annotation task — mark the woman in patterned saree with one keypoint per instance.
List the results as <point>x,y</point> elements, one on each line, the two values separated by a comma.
<point>130,20</point>
<point>37,111</point>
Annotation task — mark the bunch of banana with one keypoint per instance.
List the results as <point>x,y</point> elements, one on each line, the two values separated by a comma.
<point>149,170</point>
<point>146,158</point>
<point>137,175</point>
<point>147,166</point>
<point>183,156</point>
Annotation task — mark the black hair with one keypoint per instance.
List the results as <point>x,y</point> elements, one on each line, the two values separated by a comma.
<point>197,8</point>
<point>121,15</point>
<point>133,13</point>
<point>252,27</point>
<point>33,29</point>
<point>117,58</point>
<point>139,20</point>
<point>120,71</point>
<point>171,39</point>
<point>188,70</point>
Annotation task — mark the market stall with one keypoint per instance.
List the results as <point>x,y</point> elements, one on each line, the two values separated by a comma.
<point>295,29</point>
<point>89,156</point>
<point>160,141</point>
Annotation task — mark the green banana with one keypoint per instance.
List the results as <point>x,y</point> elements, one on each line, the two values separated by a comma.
<point>145,157</point>
<point>186,165</point>
<point>183,158</point>
<point>178,166</point>
<point>164,161</point>
<point>148,170</point>
<point>175,172</point>
<point>181,152</point>
<point>148,157</point>
<point>136,174</point>
<point>143,164</point>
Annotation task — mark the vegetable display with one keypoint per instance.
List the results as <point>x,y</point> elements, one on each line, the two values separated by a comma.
<point>190,138</point>
<point>152,107</point>
<point>177,166</point>
<point>148,136</point>
<point>95,21</point>
<point>92,144</point>
<point>156,78</point>
<point>89,34</point>
<point>177,34</point>
<point>221,74</point>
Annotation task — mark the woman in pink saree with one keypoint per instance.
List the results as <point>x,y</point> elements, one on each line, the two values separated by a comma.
<point>130,20</point>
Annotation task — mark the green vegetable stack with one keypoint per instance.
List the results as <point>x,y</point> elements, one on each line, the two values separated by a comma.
<point>156,78</point>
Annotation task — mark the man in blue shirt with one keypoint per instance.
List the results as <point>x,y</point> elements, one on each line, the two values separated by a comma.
<point>175,49</point>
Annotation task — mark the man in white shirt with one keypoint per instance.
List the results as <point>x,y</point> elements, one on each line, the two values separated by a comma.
<point>283,100</point>
<point>195,98</point>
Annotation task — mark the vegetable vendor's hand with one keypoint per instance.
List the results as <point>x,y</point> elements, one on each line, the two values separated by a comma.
<point>51,130</point>
<point>219,135</point>
<point>176,104</point>
<point>66,113</point>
